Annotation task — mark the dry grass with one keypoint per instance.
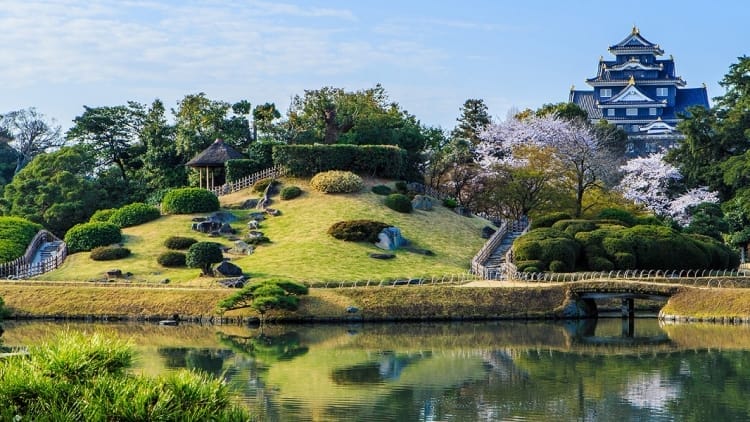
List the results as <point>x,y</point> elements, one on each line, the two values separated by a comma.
<point>710,303</point>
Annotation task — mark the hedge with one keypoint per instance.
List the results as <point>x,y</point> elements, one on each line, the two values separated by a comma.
<point>290,192</point>
<point>261,158</point>
<point>189,201</point>
<point>398,202</point>
<point>548,220</point>
<point>134,214</point>
<point>179,242</point>
<point>109,253</point>
<point>87,236</point>
<point>15,235</point>
<point>171,259</point>
<point>386,161</point>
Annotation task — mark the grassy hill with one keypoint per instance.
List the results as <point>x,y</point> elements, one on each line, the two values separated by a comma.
<point>300,248</point>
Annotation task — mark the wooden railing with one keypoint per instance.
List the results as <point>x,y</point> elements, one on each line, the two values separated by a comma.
<point>24,267</point>
<point>477,263</point>
<point>248,181</point>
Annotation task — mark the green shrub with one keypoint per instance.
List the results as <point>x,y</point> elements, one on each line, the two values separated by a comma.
<point>15,235</point>
<point>548,220</point>
<point>398,202</point>
<point>450,203</point>
<point>401,187</point>
<point>336,181</point>
<point>625,261</point>
<point>386,161</point>
<point>179,242</point>
<point>171,259</point>
<point>102,216</point>
<point>109,253</point>
<point>571,227</point>
<point>357,230</point>
<point>261,185</point>
<point>532,269</point>
<point>559,267</point>
<point>87,236</point>
<point>189,201</point>
<point>203,255</point>
<point>522,265</point>
<point>649,220</point>
<point>381,190</point>
<point>290,192</point>
<point>625,217</point>
<point>547,245</point>
<point>134,214</point>
<point>257,240</point>
<point>598,263</point>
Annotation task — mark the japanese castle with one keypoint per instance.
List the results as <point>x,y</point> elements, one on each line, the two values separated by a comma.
<point>640,93</point>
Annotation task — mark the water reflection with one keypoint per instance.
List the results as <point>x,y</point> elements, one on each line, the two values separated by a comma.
<point>587,370</point>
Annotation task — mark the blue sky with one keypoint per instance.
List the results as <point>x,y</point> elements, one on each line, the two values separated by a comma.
<point>430,56</point>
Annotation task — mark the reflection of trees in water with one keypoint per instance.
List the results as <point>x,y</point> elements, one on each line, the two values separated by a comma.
<point>266,348</point>
<point>210,361</point>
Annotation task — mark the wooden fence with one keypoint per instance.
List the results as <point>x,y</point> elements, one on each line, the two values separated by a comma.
<point>249,181</point>
<point>24,266</point>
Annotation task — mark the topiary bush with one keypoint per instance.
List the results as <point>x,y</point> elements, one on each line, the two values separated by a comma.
<point>559,267</point>
<point>87,236</point>
<point>15,235</point>
<point>109,253</point>
<point>102,216</point>
<point>336,181</point>
<point>261,185</point>
<point>398,202</point>
<point>598,263</point>
<point>171,259</point>
<point>290,192</point>
<point>357,230</point>
<point>535,263</point>
<point>571,227</point>
<point>548,220</point>
<point>624,216</point>
<point>134,214</point>
<point>203,255</point>
<point>179,242</point>
<point>189,201</point>
<point>381,190</point>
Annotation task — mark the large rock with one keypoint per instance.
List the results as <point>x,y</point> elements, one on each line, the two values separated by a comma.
<point>390,239</point>
<point>227,269</point>
<point>242,248</point>
<point>421,202</point>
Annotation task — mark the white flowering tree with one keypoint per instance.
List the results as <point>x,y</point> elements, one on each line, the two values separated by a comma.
<point>654,183</point>
<point>573,145</point>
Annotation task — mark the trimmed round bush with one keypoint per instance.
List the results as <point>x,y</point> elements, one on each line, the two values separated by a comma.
<point>336,181</point>
<point>290,192</point>
<point>87,236</point>
<point>171,259</point>
<point>599,263</point>
<point>532,269</point>
<point>548,220</point>
<point>398,202</point>
<point>102,216</point>
<point>558,267</point>
<point>357,230</point>
<point>572,227</point>
<point>401,186</point>
<point>179,242</point>
<point>625,217</point>
<point>189,201</point>
<point>109,253</point>
<point>134,214</point>
<point>522,265</point>
<point>625,261</point>
<point>450,203</point>
<point>381,190</point>
<point>261,185</point>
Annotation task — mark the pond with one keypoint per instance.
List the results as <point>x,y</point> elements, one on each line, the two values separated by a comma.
<point>609,369</point>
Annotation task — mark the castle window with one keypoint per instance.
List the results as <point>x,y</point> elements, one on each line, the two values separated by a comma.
<point>610,112</point>
<point>631,111</point>
<point>652,111</point>
<point>662,92</point>
<point>605,92</point>
<point>635,128</point>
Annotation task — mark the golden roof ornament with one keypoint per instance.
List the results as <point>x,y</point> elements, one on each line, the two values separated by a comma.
<point>631,81</point>
<point>635,30</point>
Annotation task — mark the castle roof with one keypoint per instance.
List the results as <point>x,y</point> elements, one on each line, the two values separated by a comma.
<point>635,43</point>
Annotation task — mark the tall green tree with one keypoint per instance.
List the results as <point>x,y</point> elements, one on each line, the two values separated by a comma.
<point>162,165</point>
<point>264,116</point>
<point>474,118</point>
<point>112,134</point>
<point>55,189</point>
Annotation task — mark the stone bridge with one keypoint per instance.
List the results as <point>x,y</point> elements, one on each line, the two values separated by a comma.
<point>585,295</point>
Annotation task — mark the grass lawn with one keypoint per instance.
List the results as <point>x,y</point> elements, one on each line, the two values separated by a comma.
<point>300,247</point>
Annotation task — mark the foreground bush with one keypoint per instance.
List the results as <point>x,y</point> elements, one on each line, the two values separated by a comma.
<point>357,230</point>
<point>398,202</point>
<point>87,236</point>
<point>15,235</point>
<point>179,242</point>
<point>84,377</point>
<point>189,201</point>
<point>336,181</point>
<point>134,214</point>
<point>290,192</point>
<point>109,253</point>
<point>171,259</point>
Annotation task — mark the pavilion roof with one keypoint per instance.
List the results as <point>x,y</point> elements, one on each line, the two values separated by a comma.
<point>215,155</point>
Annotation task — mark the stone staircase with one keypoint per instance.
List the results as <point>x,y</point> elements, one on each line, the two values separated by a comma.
<point>489,263</point>
<point>46,252</point>
<point>496,260</point>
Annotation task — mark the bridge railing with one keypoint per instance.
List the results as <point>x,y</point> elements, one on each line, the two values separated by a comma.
<point>702,277</point>
<point>23,266</point>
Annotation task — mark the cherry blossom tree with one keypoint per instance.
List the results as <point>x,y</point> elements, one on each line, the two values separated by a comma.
<point>586,163</point>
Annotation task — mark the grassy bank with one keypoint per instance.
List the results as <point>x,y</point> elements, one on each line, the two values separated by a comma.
<point>709,304</point>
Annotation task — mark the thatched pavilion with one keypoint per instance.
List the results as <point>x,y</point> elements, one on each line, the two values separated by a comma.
<point>210,163</point>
